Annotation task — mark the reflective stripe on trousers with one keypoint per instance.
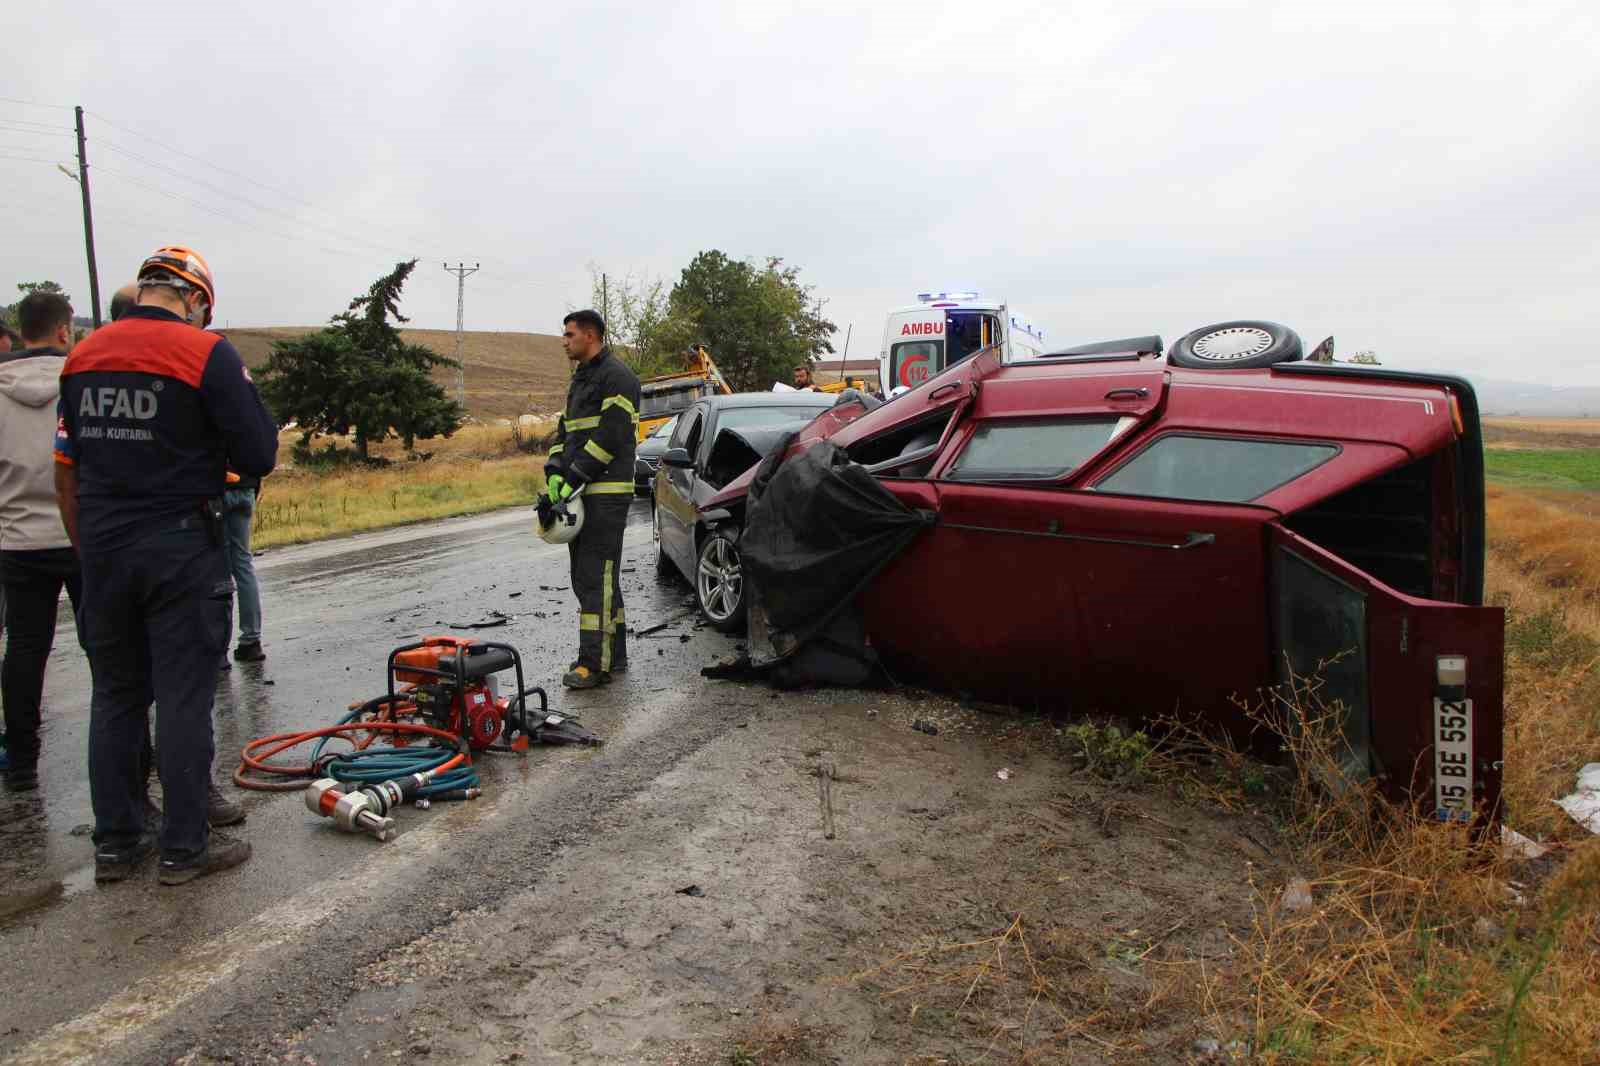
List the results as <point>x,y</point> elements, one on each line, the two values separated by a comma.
<point>596,556</point>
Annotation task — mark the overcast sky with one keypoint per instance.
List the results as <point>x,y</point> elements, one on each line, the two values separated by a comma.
<point>1415,178</point>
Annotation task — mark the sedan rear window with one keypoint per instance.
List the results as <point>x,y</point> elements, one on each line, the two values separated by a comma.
<point>747,417</point>
<point>1214,469</point>
<point>1031,450</point>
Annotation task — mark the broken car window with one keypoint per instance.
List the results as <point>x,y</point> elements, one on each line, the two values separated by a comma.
<point>1214,469</point>
<point>1030,450</point>
<point>903,451</point>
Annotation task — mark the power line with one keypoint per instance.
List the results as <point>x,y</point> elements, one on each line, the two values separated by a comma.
<point>25,126</point>
<point>214,165</point>
<point>120,150</point>
<point>52,126</point>
<point>37,133</point>
<point>34,103</point>
<point>200,206</point>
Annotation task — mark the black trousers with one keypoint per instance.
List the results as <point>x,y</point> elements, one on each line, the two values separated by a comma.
<point>33,581</point>
<point>156,619</point>
<point>596,557</point>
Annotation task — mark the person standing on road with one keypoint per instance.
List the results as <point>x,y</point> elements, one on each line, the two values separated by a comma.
<point>36,557</point>
<point>123,301</point>
<point>239,507</point>
<point>802,379</point>
<point>153,411</point>
<point>593,455</point>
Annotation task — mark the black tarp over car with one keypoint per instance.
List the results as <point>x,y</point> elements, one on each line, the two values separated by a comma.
<point>818,528</point>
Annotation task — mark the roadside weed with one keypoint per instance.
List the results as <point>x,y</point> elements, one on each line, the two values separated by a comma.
<point>1110,750</point>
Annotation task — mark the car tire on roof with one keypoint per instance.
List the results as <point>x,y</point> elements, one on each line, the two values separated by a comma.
<point>1242,345</point>
<point>719,581</point>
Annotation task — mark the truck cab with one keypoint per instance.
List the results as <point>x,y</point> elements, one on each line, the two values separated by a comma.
<point>664,397</point>
<point>941,329</point>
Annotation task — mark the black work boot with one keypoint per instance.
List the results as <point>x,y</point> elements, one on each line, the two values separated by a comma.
<point>220,810</point>
<point>249,651</point>
<point>115,864</point>
<point>222,853</point>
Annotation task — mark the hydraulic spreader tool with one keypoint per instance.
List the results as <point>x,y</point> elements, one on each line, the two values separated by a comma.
<point>442,705</point>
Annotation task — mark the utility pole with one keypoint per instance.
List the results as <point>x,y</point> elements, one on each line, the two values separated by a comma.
<point>461,270</point>
<point>851,328</point>
<point>605,302</point>
<point>88,220</point>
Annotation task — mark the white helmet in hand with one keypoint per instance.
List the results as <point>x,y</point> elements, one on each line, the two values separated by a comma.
<point>567,521</point>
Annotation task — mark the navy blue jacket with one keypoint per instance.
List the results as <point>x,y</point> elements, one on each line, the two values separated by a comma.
<point>153,413</point>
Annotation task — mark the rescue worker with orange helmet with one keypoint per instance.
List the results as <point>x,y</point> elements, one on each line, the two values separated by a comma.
<point>154,409</point>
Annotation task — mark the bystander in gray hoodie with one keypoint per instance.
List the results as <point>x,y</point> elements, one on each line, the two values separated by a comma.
<point>30,382</point>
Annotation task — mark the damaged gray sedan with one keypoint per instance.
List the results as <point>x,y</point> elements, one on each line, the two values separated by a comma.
<point>715,441</point>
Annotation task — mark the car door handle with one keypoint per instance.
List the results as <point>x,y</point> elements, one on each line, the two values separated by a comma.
<point>1139,393</point>
<point>943,388</point>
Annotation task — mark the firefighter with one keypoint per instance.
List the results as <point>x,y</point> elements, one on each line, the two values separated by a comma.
<point>593,455</point>
<point>153,411</point>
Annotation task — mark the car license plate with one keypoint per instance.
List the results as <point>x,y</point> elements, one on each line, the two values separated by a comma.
<point>1452,759</point>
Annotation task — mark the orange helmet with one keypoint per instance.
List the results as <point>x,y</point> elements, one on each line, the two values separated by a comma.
<point>184,265</point>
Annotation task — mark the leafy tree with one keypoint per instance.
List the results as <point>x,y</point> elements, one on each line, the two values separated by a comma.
<point>638,320</point>
<point>28,288</point>
<point>758,321</point>
<point>359,377</point>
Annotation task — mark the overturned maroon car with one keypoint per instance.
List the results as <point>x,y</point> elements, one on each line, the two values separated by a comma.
<point>1108,530</point>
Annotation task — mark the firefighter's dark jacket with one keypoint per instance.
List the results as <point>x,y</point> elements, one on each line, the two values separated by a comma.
<point>595,437</point>
<point>153,412</point>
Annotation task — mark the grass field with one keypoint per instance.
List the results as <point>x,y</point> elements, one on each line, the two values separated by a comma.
<point>480,468</point>
<point>1548,468</point>
<point>508,374</point>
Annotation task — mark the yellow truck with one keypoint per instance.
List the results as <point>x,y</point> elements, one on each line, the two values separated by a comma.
<point>663,396</point>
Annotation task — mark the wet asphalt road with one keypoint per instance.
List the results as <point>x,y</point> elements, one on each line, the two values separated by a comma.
<point>134,972</point>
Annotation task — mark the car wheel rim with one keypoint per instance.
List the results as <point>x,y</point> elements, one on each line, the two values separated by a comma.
<point>1231,344</point>
<point>721,580</point>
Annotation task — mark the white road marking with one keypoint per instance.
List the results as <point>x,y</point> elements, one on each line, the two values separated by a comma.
<point>158,994</point>
<point>197,969</point>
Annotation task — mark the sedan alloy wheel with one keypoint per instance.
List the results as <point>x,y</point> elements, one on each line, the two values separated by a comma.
<point>719,582</point>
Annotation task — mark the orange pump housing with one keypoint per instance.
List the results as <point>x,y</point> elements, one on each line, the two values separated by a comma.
<point>428,657</point>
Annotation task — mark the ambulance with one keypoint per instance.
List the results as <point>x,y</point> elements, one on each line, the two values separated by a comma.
<point>943,328</point>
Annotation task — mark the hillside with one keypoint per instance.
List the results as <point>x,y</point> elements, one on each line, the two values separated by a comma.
<point>508,374</point>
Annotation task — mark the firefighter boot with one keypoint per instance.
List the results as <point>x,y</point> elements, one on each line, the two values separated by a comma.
<point>581,676</point>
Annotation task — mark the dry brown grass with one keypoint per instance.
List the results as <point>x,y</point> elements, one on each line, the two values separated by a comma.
<point>1588,427</point>
<point>480,468</point>
<point>1421,945</point>
<point>507,373</point>
<point>1511,432</point>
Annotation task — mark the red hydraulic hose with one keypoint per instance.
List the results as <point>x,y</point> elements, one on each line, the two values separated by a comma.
<point>252,759</point>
